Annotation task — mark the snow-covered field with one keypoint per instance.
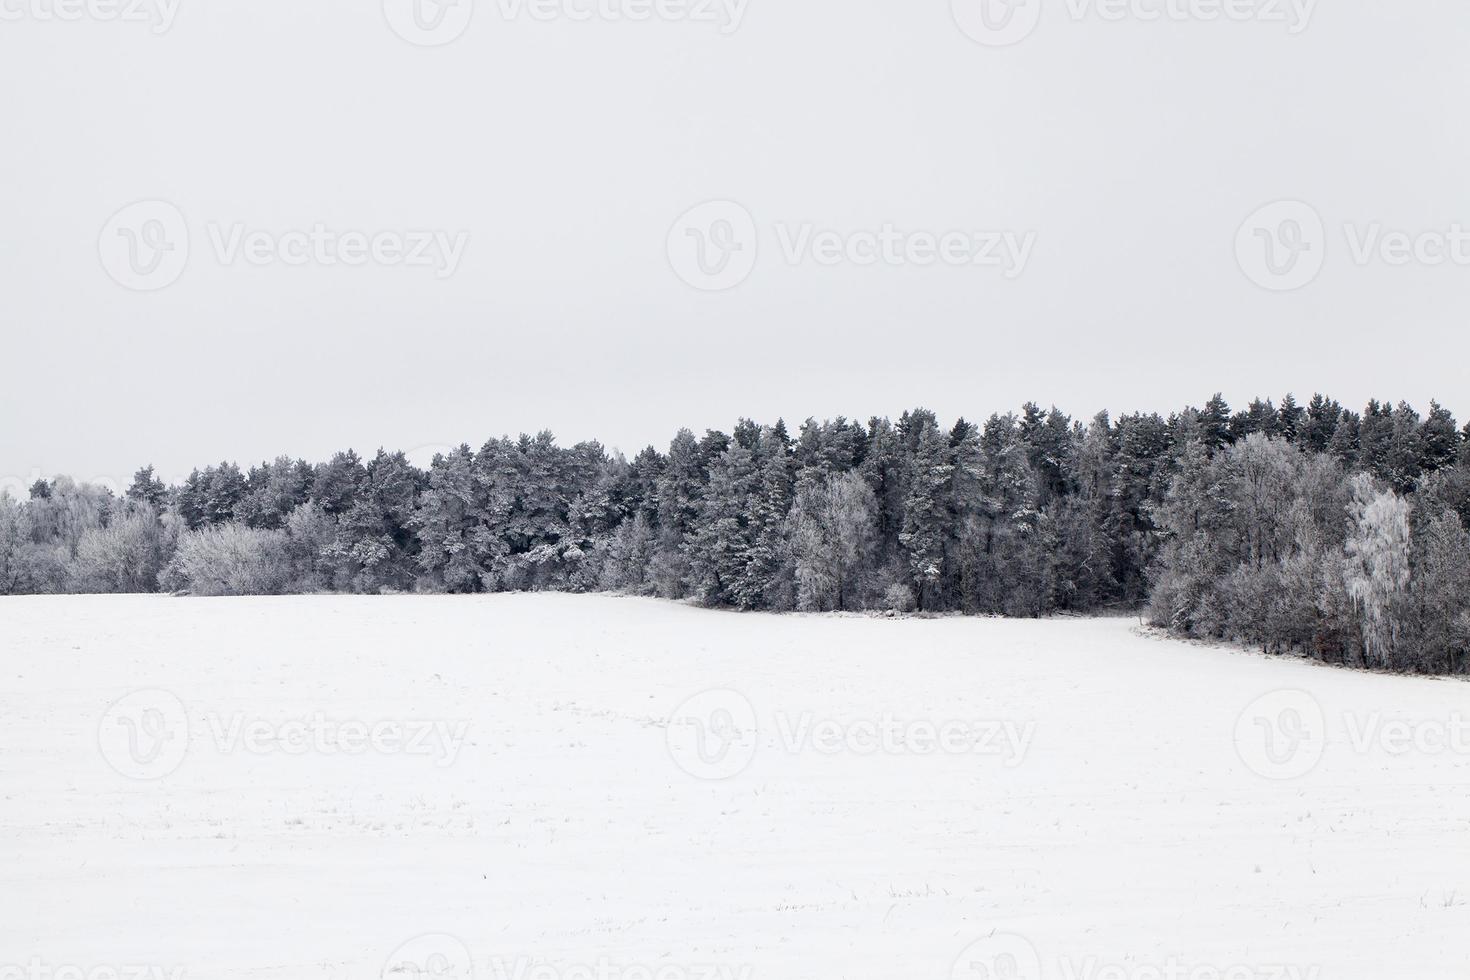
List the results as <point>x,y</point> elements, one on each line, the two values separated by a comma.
<point>525,786</point>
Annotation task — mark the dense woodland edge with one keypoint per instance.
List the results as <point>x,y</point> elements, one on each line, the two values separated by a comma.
<point>1306,529</point>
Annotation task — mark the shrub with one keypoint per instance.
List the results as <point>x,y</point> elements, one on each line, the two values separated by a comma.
<point>230,560</point>
<point>126,556</point>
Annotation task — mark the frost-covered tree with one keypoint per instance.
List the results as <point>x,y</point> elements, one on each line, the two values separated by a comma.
<point>834,525</point>
<point>926,508</point>
<point>1230,524</point>
<point>1378,569</point>
<point>128,554</point>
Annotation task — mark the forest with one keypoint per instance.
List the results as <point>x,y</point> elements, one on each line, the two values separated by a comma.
<point>1308,529</point>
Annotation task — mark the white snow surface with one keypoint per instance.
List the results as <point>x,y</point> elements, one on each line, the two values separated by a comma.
<point>1141,829</point>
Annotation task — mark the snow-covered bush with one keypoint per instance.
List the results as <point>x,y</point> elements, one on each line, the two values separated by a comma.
<point>230,560</point>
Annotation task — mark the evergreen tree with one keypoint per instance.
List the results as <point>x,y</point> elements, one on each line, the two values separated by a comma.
<point>1214,422</point>
<point>926,506</point>
<point>720,545</point>
<point>1292,417</point>
<point>1320,424</point>
<point>148,488</point>
<point>1438,440</point>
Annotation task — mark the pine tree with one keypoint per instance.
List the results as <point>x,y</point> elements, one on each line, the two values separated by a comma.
<point>148,489</point>
<point>1214,421</point>
<point>1344,442</point>
<point>1438,440</point>
<point>680,490</point>
<point>1441,595</point>
<point>376,546</point>
<point>1401,458</point>
<point>766,579</point>
<point>1320,424</point>
<point>336,482</point>
<point>926,506</point>
<point>1292,417</point>
<point>886,471</point>
<point>719,547</point>
<point>450,521</point>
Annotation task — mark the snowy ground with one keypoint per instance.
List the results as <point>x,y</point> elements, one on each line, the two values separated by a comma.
<point>521,786</point>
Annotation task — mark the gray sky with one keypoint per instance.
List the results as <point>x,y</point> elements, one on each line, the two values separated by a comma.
<point>1125,154</point>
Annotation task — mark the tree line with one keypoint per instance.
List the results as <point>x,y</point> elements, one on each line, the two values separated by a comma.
<point>1307,528</point>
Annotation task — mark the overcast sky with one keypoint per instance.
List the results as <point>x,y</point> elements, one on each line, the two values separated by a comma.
<point>522,178</point>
